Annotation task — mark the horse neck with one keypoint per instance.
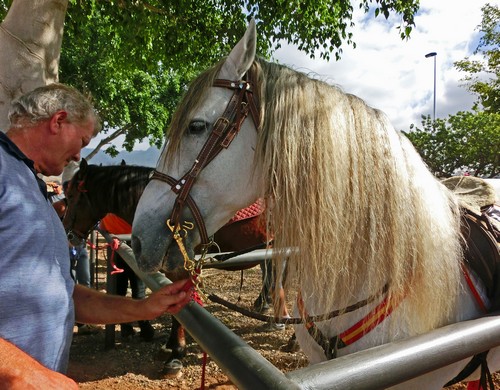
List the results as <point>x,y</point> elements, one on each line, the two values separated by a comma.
<point>109,197</point>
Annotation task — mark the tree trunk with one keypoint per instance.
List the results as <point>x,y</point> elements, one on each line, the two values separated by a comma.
<point>30,43</point>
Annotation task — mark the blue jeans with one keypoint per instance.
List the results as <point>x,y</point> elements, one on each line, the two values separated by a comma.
<point>80,267</point>
<point>123,279</point>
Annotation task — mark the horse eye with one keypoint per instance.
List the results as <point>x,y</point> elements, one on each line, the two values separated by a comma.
<point>197,127</point>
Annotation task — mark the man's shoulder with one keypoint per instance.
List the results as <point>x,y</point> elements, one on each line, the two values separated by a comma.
<point>11,163</point>
<point>7,145</point>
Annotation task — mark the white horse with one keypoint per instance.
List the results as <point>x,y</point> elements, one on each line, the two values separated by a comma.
<point>347,189</point>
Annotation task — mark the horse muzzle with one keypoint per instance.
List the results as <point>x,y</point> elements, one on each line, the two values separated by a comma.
<point>149,254</point>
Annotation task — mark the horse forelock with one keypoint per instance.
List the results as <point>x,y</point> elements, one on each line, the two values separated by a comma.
<point>194,97</point>
<point>190,102</point>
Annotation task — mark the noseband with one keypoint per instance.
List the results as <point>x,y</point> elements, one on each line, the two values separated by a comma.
<point>225,128</point>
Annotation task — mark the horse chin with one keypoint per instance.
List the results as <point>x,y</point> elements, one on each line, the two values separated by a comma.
<point>177,274</point>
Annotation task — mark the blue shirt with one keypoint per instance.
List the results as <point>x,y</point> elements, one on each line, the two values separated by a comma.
<point>36,288</point>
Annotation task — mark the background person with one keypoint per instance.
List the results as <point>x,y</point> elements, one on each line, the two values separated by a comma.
<point>78,255</point>
<point>125,275</point>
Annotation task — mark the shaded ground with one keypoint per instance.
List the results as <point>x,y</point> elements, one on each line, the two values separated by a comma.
<point>134,364</point>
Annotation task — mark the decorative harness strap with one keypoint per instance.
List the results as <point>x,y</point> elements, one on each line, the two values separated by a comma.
<point>331,345</point>
<point>480,247</point>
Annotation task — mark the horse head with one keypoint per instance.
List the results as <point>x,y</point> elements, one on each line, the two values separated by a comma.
<point>218,183</point>
<point>80,217</point>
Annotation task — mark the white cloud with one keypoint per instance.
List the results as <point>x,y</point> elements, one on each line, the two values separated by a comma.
<point>394,75</point>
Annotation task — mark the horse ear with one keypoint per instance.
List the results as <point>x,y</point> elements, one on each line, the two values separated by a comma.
<point>242,56</point>
<point>83,165</point>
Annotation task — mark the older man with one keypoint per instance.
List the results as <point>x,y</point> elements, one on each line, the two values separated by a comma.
<point>39,302</point>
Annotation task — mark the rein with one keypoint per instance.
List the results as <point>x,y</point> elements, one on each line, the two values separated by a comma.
<point>224,130</point>
<point>298,320</point>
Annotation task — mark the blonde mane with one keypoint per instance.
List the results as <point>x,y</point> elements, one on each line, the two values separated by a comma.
<point>352,194</point>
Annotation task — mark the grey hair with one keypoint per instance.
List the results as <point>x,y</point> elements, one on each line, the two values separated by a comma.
<point>43,102</point>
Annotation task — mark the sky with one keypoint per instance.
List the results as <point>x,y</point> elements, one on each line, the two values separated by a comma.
<point>393,75</point>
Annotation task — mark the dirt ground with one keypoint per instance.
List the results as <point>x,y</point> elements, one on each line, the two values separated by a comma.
<point>134,364</point>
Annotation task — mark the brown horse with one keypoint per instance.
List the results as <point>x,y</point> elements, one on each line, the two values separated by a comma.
<point>95,191</point>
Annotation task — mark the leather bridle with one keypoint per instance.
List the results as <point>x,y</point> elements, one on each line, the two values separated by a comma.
<point>225,128</point>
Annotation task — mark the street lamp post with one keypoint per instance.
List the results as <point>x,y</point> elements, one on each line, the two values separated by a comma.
<point>433,54</point>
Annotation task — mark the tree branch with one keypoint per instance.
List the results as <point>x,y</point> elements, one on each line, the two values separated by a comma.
<point>107,140</point>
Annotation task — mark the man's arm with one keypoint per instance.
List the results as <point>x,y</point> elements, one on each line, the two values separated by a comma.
<point>94,307</point>
<point>19,371</point>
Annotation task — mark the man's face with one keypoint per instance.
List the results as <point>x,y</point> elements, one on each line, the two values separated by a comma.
<point>67,145</point>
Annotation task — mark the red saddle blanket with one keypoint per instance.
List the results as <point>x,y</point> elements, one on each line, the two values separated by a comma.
<point>253,210</point>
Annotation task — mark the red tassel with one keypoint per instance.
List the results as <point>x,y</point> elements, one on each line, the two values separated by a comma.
<point>203,371</point>
<point>189,286</point>
<point>115,244</point>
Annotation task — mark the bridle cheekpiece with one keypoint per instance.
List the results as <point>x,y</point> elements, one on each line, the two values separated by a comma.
<point>225,128</point>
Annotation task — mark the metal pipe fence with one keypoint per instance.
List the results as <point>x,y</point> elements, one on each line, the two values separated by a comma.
<point>390,364</point>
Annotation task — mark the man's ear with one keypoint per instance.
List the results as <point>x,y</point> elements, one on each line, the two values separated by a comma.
<point>56,121</point>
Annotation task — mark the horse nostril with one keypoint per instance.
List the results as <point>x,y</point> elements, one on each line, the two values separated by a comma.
<point>136,246</point>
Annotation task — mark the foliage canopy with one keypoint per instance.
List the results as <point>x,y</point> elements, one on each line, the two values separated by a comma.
<point>136,57</point>
<point>483,77</point>
<point>465,141</point>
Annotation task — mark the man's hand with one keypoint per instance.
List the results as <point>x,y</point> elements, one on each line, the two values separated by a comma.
<point>94,307</point>
<point>168,299</point>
